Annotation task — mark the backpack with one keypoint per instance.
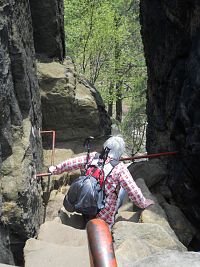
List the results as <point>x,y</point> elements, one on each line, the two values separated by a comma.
<point>86,194</point>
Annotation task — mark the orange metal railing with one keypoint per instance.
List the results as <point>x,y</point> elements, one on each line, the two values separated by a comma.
<point>100,244</point>
<point>53,143</point>
<point>52,152</point>
<point>150,155</point>
<point>47,193</point>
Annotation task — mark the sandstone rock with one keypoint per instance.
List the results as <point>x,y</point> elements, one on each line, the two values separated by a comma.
<point>55,203</point>
<point>127,216</point>
<point>72,219</point>
<point>159,198</point>
<point>57,233</point>
<point>72,104</point>
<point>20,120</point>
<point>39,253</point>
<point>179,223</point>
<point>5,265</point>
<point>154,213</point>
<point>173,105</point>
<point>133,249</point>
<point>48,29</point>
<point>126,207</point>
<point>154,234</point>
<point>5,253</point>
<point>152,171</point>
<point>169,258</point>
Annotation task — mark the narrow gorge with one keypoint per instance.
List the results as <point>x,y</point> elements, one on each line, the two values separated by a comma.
<point>40,89</point>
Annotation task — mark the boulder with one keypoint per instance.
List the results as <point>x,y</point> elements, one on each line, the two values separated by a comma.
<point>179,223</point>
<point>155,213</point>
<point>152,171</point>
<point>153,234</point>
<point>169,258</point>
<point>127,216</point>
<point>70,104</point>
<point>134,249</point>
<point>40,253</point>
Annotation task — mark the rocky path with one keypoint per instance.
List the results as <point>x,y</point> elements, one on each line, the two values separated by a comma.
<point>140,237</point>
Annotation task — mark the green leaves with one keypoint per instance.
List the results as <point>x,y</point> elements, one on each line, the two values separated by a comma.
<point>103,39</point>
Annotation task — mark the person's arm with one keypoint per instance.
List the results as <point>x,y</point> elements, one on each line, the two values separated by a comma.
<point>134,192</point>
<point>71,164</point>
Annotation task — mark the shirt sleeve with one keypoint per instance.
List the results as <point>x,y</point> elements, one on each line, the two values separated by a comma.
<point>73,163</point>
<point>134,192</point>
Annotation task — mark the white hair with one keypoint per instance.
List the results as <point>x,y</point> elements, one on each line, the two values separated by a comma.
<point>116,145</point>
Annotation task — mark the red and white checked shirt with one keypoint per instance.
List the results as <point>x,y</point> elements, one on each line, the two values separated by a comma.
<point>120,176</point>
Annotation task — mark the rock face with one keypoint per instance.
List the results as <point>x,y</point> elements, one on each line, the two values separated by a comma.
<point>5,253</point>
<point>48,28</point>
<point>70,104</point>
<point>27,27</point>
<point>20,119</point>
<point>170,31</point>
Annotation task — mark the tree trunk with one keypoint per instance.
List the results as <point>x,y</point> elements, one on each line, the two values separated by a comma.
<point>110,108</point>
<point>110,101</point>
<point>118,102</point>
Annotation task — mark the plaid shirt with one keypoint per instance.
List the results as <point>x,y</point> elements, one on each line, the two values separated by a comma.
<point>120,176</point>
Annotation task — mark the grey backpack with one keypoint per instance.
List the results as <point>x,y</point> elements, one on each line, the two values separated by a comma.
<point>87,193</point>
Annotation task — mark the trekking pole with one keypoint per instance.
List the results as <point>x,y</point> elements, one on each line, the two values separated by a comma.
<point>104,155</point>
<point>87,145</point>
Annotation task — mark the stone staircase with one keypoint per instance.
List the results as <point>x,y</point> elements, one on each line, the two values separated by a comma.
<point>57,245</point>
<point>141,238</point>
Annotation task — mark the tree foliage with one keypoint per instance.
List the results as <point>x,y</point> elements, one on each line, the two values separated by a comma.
<point>103,39</point>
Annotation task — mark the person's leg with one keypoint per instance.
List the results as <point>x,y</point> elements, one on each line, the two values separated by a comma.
<point>120,199</point>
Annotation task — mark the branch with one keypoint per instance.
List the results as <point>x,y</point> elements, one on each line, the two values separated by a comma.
<point>87,39</point>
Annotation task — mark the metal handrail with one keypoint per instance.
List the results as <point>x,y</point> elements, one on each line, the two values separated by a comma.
<point>150,155</point>
<point>53,143</point>
<point>100,244</point>
<point>47,193</point>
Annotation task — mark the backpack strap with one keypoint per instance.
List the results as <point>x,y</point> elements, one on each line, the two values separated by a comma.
<point>111,166</point>
<point>107,168</point>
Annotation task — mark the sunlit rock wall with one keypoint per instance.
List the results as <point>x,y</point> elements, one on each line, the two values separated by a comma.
<point>70,104</point>
<point>171,36</point>
<point>20,120</point>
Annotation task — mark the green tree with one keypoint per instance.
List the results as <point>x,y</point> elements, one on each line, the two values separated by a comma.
<point>103,38</point>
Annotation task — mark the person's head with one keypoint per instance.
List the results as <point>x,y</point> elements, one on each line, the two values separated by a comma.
<point>116,145</point>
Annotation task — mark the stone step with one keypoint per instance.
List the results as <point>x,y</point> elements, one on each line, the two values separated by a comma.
<point>58,233</point>
<point>44,254</point>
<point>6,265</point>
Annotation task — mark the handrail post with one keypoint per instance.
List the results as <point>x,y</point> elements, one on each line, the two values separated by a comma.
<point>46,194</point>
<point>100,244</point>
<point>53,143</point>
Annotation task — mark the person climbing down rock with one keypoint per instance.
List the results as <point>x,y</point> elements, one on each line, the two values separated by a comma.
<point>118,178</point>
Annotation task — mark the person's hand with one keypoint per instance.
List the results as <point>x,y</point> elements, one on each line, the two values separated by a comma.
<point>52,169</point>
<point>149,202</point>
